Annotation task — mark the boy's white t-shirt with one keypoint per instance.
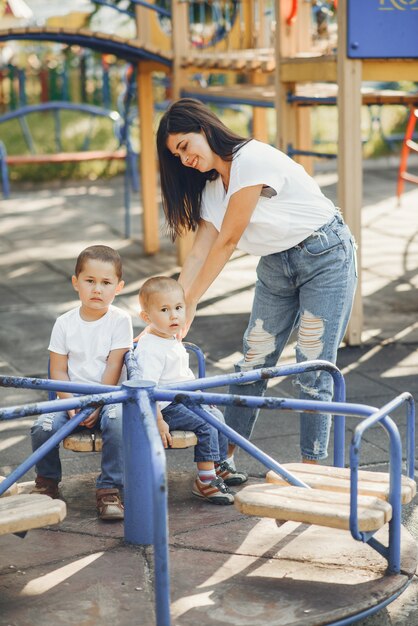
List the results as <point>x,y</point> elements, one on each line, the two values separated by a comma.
<point>87,344</point>
<point>162,361</point>
<point>290,208</point>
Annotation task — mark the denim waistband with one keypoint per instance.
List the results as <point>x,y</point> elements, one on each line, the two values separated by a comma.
<point>335,219</point>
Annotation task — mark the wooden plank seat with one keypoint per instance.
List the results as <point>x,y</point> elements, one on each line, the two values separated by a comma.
<point>85,441</point>
<point>338,479</point>
<point>66,157</point>
<point>25,512</point>
<point>13,490</point>
<point>312,506</point>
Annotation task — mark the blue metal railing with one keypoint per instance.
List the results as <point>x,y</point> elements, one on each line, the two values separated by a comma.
<point>145,465</point>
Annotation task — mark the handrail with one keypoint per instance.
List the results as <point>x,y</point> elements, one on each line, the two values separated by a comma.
<point>285,370</point>
<point>152,7</point>
<point>392,552</point>
<point>139,397</point>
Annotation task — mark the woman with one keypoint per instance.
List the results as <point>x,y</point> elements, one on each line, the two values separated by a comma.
<point>241,193</point>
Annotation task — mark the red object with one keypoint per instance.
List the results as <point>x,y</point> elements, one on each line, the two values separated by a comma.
<point>293,13</point>
<point>407,145</point>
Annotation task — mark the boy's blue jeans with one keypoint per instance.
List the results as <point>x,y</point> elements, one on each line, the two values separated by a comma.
<point>309,287</point>
<point>110,424</point>
<point>212,445</point>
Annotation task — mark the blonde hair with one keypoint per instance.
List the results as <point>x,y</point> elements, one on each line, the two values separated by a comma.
<point>157,284</point>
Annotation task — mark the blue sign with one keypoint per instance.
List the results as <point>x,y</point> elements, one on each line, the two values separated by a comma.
<point>382,29</point>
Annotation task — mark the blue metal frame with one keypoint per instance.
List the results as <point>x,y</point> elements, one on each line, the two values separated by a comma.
<point>145,468</point>
<point>95,41</point>
<point>121,130</point>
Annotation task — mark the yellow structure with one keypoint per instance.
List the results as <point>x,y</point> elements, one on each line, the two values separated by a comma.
<point>270,52</point>
<point>253,52</point>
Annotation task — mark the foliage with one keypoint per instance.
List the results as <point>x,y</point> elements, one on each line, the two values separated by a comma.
<point>74,129</point>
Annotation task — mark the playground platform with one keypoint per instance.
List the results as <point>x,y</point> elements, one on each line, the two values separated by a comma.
<point>225,568</point>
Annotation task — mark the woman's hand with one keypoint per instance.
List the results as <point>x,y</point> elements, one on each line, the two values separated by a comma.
<point>143,332</point>
<point>190,315</point>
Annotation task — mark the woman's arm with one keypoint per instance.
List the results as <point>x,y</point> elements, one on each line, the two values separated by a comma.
<point>204,239</point>
<point>236,220</point>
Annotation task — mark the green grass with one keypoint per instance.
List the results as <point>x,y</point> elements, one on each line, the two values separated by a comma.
<point>75,127</point>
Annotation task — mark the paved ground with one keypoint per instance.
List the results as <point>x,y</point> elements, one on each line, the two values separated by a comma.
<point>81,572</point>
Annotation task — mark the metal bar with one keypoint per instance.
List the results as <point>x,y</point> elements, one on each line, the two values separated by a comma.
<point>395,472</point>
<point>161,553</point>
<point>191,347</point>
<point>51,406</point>
<point>146,487</point>
<point>46,447</point>
<point>267,402</point>
<point>139,513</point>
<point>54,385</point>
<point>246,445</point>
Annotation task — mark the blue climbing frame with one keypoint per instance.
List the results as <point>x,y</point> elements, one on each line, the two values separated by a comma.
<point>121,127</point>
<point>145,463</point>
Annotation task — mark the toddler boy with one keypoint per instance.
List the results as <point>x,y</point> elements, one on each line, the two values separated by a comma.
<point>162,358</point>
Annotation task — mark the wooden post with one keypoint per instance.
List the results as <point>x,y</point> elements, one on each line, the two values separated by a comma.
<point>260,129</point>
<point>293,122</point>
<point>180,33</point>
<point>147,161</point>
<point>350,175</point>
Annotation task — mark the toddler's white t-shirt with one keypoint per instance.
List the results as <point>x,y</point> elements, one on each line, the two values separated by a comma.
<point>162,361</point>
<point>291,206</point>
<point>87,344</point>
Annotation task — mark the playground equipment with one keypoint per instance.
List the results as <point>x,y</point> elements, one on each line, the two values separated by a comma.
<point>121,130</point>
<point>264,53</point>
<point>90,440</point>
<point>366,516</point>
<point>408,145</point>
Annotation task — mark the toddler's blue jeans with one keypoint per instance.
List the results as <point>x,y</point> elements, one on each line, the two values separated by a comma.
<point>212,445</point>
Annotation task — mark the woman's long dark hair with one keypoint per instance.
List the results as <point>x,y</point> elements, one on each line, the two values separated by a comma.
<point>182,186</point>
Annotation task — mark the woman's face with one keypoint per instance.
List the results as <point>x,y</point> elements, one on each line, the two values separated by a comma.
<point>193,150</point>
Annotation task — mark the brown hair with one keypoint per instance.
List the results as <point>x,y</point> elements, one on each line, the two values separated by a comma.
<point>99,253</point>
<point>157,284</point>
<point>181,186</point>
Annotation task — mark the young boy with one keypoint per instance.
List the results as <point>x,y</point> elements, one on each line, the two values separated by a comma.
<point>88,345</point>
<point>162,358</point>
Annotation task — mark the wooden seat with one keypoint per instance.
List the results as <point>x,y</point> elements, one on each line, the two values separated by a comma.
<point>312,506</point>
<point>25,512</point>
<point>338,479</point>
<point>85,441</point>
<point>13,490</point>
<point>183,439</point>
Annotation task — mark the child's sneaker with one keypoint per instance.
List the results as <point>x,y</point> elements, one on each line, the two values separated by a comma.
<point>109,505</point>
<point>229,475</point>
<point>46,487</point>
<point>216,491</point>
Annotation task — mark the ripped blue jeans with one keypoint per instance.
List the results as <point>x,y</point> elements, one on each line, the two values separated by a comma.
<point>309,287</point>
<point>110,425</point>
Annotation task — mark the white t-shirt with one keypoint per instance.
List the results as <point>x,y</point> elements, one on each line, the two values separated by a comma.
<point>290,208</point>
<point>162,361</point>
<point>87,344</point>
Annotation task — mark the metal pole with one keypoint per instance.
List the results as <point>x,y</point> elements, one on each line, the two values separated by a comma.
<point>139,510</point>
